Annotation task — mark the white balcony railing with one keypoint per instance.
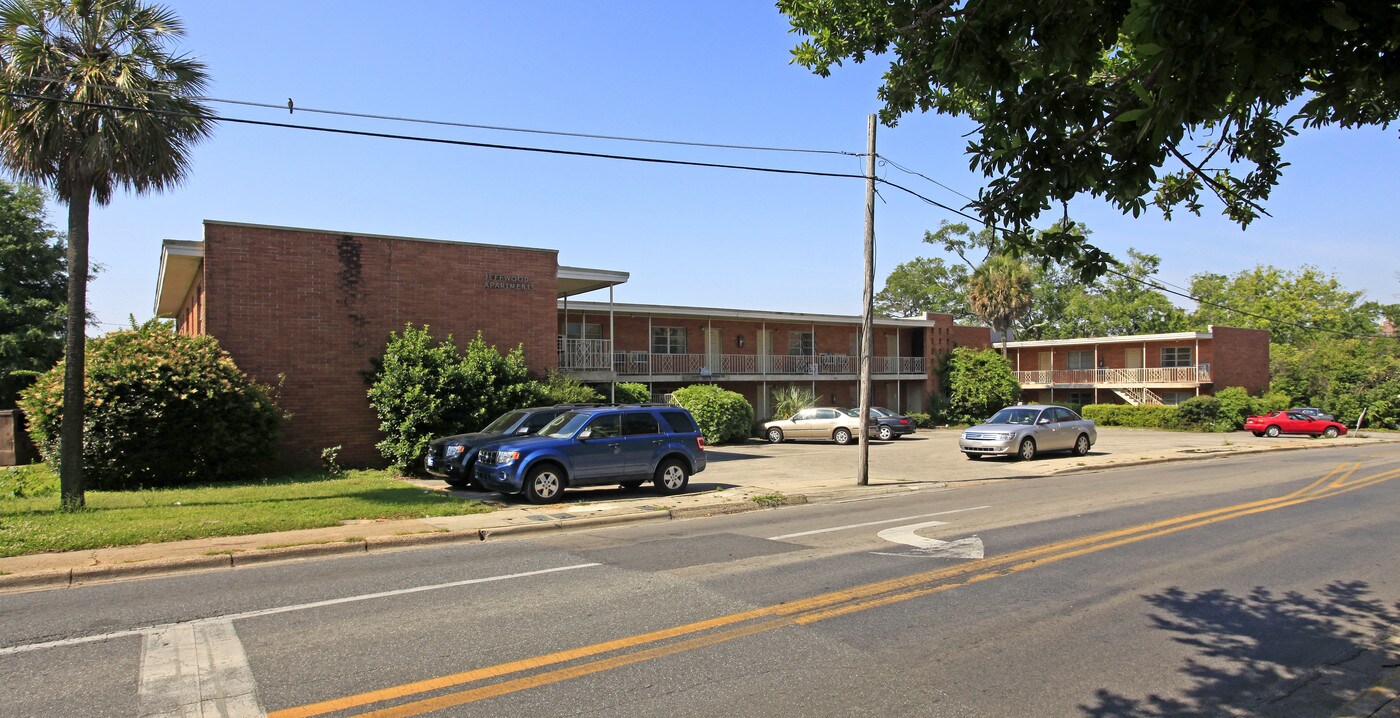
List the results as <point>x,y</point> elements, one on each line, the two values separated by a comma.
<point>1151,376</point>
<point>592,355</point>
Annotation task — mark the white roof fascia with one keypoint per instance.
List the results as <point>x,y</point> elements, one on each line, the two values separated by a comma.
<point>750,314</point>
<point>1131,339</point>
<point>182,251</point>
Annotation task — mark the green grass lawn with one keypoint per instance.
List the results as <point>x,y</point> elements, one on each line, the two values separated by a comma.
<point>30,521</point>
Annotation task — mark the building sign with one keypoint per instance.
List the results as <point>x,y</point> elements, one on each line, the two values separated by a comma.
<point>518,282</point>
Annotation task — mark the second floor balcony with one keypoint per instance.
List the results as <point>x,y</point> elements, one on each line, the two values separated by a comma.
<point>595,356</point>
<point>1188,376</point>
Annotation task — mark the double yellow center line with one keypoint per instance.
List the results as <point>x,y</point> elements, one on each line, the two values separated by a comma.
<point>608,655</point>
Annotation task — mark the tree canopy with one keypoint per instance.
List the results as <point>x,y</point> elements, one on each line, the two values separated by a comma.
<point>1295,306</point>
<point>33,290</point>
<point>1131,102</point>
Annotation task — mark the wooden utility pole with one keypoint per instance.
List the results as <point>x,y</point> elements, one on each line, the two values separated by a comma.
<point>867,320</point>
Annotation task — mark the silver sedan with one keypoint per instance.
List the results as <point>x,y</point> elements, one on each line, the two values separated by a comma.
<point>1024,431</point>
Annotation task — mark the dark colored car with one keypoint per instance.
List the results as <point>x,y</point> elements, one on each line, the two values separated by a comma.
<point>890,424</point>
<point>625,445</point>
<point>1293,422</point>
<point>1314,412</point>
<point>453,458</point>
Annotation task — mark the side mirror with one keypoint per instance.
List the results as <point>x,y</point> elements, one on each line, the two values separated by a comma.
<point>585,435</point>
<point>1044,421</point>
<point>523,430</point>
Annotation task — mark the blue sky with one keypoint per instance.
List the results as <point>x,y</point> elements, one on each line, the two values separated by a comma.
<point>710,72</point>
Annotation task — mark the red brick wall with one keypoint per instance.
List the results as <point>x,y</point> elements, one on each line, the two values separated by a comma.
<point>1240,357</point>
<point>190,318</point>
<point>316,307</point>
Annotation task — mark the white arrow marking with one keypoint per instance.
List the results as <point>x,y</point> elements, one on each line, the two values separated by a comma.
<point>966,548</point>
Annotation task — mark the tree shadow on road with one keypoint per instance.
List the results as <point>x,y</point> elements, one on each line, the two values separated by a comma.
<point>1264,653</point>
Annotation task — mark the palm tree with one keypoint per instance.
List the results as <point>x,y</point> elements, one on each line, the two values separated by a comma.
<point>1000,291</point>
<point>92,101</point>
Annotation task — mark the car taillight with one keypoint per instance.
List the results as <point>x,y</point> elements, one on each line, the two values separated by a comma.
<point>700,443</point>
<point>904,421</point>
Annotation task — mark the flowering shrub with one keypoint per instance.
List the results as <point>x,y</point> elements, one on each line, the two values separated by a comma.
<point>160,409</point>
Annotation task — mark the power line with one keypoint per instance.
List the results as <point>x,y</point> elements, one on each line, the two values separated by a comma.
<point>291,107</point>
<point>906,170</point>
<point>440,140</point>
<point>686,163</point>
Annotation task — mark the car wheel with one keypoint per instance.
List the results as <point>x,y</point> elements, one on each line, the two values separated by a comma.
<point>632,485</point>
<point>671,477</point>
<point>971,457</point>
<point>456,483</point>
<point>775,435</point>
<point>1257,433</point>
<point>841,436</point>
<point>1272,431</point>
<point>1331,432</point>
<point>885,433</point>
<point>1081,445</point>
<point>544,484</point>
<point>1027,450</point>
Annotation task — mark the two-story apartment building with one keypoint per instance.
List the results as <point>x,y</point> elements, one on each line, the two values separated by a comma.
<point>753,352</point>
<point>310,311</point>
<point>1141,369</point>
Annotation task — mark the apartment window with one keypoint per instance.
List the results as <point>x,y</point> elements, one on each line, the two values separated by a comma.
<point>801,344</point>
<point>1172,398</point>
<point>574,330</point>
<point>1081,397</point>
<point>1080,360</point>
<point>668,340</point>
<point>1176,356</point>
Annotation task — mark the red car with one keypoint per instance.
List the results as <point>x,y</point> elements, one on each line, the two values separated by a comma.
<point>1293,422</point>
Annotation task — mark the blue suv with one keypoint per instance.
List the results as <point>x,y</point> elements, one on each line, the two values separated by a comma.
<point>626,445</point>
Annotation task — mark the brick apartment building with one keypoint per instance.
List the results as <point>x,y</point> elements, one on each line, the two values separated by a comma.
<point>311,309</point>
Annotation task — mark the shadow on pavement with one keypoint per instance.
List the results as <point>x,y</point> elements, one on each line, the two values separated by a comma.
<point>1258,654</point>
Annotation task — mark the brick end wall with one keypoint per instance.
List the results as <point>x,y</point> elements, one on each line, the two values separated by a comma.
<point>1240,357</point>
<point>312,309</point>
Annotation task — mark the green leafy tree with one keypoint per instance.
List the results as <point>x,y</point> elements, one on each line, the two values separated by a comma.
<point>1116,306</point>
<point>564,389</point>
<point>33,287</point>
<point>1151,100</point>
<point>924,285</point>
<point>162,409</point>
<point>631,392</point>
<point>1342,377</point>
<point>94,102</point>
<point>1000,292</point>
<point>423,390</point>
<point>978,382</point>
<point>1296,307</point>
<point>722,415</point>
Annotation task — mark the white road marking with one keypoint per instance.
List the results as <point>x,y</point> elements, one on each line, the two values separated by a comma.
<point>197,670</point>
<point>8,650</point>
<point>928,547</point>
<point>874,523</point>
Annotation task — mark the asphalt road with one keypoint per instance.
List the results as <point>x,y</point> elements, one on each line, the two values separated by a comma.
<point>1245,586</point>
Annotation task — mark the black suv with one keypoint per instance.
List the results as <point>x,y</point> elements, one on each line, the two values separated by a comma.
<point>452,458</point>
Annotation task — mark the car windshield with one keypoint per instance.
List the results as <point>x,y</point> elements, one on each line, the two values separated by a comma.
<point>1014,416</point>
<point>881,411</point>
<point>503,424</point>
<point>564,425</point>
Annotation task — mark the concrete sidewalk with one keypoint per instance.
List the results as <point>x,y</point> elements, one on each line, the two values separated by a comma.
<point>738,478</point>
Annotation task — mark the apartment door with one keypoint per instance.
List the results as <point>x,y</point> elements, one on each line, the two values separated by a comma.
<point>713,351</point>
<point>892,351</point>
<point>1132,358</point>
<point>765,350</point>
<point>1047,361</point>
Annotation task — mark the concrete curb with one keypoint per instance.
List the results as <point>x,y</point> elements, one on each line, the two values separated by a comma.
<point>119,571</point>
<point>37,580</point>
<point>1373,702</point>
<point>283,553</point>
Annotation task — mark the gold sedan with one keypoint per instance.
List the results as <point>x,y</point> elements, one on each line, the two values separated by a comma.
<point>819,424</point>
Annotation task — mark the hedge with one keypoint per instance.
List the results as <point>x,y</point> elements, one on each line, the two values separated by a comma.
<point>723,415</point>
<point>1142,416</point>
